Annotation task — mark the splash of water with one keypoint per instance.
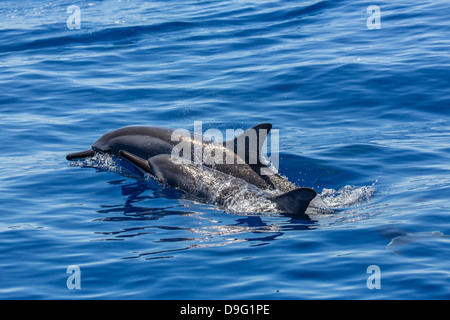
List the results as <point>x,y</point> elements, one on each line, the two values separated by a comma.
<point>346,196</point>
<point>104,162</point>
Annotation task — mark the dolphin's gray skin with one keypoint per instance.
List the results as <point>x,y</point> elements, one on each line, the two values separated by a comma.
<point>141,141</point>
<point>138,144</point>
<point>190,179</point>
<point>147,142</point>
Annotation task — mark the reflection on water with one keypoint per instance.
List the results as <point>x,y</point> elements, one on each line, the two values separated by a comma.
<point>206,225</point>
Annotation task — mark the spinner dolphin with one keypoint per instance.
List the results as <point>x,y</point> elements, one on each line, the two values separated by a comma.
<point>151,149</point>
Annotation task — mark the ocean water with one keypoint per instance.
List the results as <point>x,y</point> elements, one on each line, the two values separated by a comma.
<point>362,106</point>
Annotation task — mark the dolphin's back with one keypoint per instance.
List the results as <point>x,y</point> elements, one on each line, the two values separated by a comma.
<point>142,141</point>
<point>212,184</point>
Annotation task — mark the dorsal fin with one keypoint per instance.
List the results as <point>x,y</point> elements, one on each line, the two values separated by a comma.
<point>295,201</point>
<point>248,145</point>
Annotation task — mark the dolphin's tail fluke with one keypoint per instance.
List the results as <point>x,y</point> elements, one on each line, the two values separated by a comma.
<point>82,154</point>
<point>295,201</point>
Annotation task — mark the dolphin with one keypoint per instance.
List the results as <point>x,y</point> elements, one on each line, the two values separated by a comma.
<point>215,185</point>
<point>139,144</point>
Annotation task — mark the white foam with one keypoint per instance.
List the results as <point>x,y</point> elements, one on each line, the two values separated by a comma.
<point>345,197</point>
<point>103,162</point>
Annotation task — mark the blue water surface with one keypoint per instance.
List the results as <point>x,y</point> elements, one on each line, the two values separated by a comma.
<point>362,114</point>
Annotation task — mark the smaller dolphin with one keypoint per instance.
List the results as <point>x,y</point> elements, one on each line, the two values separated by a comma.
<point>188,178</point>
